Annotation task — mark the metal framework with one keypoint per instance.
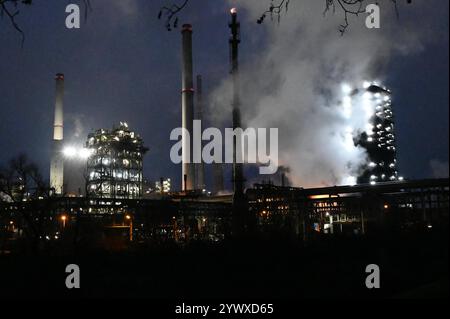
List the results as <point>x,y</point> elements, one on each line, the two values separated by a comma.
<point>114,169</point>
<point>380,140</point>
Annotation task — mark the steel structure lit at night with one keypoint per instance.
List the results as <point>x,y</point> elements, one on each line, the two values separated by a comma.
<point>114,169</point>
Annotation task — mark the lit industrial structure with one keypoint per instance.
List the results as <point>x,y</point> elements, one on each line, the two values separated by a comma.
<point>302,214</point>
<point>57,161</point>
<point>379,140</point>
<point>370,107</point>
<point>163,186</point>
<point>114,167</point>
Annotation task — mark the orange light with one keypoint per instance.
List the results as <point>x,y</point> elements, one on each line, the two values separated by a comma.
<point>386,206</point>
<point>63,217</point>
<point>321,196</point>
<point>128,217</point>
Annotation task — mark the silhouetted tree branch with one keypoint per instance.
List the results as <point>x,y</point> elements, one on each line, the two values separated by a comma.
<point>11,9</point>
<point>275,10</point>
<point>171,14</point>
<point>352,7</point>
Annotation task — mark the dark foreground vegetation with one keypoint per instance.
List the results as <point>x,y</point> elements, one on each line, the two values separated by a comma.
<point>412,265</point>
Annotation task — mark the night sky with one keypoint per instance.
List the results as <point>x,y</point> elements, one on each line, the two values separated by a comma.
<point>123,65</point>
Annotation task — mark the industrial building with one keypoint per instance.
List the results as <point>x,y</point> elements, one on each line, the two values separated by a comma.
<point>379,140</point>
<point>164,186</point>
<point>114,167</point>
<point>301,214</point>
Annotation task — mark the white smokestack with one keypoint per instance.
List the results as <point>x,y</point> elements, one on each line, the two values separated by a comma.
<point>58,123</point>
<point>57,163</point>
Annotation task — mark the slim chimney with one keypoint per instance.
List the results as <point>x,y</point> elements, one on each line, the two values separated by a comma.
<point>238,175</point>
<point>57,162</point>
<point>200,168</point>
<point>187,108</point>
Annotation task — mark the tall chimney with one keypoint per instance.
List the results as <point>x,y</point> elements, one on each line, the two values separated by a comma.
<point>187,108</point>
<point>200,168</point>
<point>238,175</point>
<point>57,162</point>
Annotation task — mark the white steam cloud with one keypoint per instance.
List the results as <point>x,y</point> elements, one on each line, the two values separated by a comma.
<point>295,83</point>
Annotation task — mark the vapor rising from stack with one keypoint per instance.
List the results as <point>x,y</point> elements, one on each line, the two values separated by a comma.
<point>294,82</point>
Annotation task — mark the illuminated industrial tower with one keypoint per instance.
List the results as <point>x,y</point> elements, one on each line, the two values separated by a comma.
<point>57,161</point>
<point>115,163</point>
<point>379,139</point>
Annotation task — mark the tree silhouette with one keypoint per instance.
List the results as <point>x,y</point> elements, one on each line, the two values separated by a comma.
<point>276,8</point>
<point>351,7</point>
<point>22,183</point>
<point>279,7</point>
<point>12,8</point>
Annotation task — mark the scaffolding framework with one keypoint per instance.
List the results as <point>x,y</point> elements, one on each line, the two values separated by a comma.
<point>380,144</point>
<point>114,169</point>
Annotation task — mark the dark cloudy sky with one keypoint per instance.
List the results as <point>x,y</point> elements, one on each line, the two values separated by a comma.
<point>122,65</point>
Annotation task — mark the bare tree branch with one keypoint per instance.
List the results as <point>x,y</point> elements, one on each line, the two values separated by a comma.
<point>275,10</point>
<point>352,7</point>
<point>171,14</point>
<point>11,9</point>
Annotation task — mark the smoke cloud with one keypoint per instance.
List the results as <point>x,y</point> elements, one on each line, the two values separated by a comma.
<point>295,83</point>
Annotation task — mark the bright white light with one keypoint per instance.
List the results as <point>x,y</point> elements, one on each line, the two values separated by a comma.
<point>70,151</point>
<point>367,96</point>
<point>373,183</point>
<point>366,84</point>
<point>350,180</point>
<point>372,164</point>
<point>346,89</point>
<point>401,179</point>
<point>85,153</point>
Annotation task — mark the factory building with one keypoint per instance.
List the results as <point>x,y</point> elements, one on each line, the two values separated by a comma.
<point>379,138</point>
<point>114,167</point>
<point>164,186</point>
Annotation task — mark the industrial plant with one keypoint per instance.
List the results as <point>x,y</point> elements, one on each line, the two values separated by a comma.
<point>296,170</point>
<point>103,183</point>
